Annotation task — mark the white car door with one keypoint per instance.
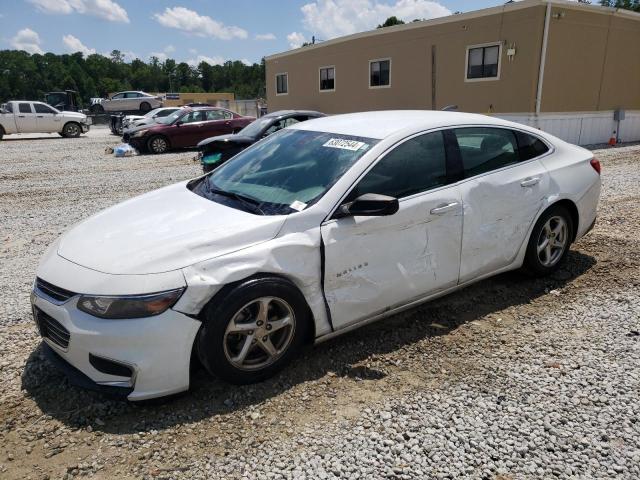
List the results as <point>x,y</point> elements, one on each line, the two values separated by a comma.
<point>131,101</point>
<point>117,103</point>
<point>47,119</point>
<point>505,188</point>
<point>26,118</point>
<point>373,264</point>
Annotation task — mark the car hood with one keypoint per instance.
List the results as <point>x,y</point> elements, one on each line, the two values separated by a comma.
<point>137,128</point>
<point>76,115</point>
<point>231,137</point>
<point>163,230</point>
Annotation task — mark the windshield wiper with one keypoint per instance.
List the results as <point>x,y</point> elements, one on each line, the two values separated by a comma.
<point>251,203</point>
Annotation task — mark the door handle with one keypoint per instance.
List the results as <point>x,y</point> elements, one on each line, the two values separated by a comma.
<point>530,182</point>
<point>40,116</point>
<point>20,116</point>
<point>444,208</point>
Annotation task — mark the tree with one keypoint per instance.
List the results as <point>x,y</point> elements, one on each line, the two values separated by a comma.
<point>26,76</point>
<point>391,21</point>
<point>633,5</point>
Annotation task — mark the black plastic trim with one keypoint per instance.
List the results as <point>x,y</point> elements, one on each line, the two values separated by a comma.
<point>324,297</point>
<point>110,367</point>
<point>79,379</point>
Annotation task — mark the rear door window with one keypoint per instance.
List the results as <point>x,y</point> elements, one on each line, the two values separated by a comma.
<point>216,114</point>
<point>42,108</point>
<point>484,149</point>
<point>415,166</point>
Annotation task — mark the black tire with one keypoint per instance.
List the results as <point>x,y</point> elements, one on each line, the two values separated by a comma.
<point>549,223</point>
<point>158,144</point>
<point>71,130</point>
<point>215,346</point>
<point>61,134</point>
<point>1,133</point>
<point>145,107</point>
<point>97,108</point>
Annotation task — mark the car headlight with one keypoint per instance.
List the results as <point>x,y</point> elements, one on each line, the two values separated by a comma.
<point>139,133</point>
<point>129,306</point>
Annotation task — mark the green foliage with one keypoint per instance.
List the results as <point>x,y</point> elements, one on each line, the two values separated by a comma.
<point>29,77</point>
<point>389,22</point>
<point>633,5</point>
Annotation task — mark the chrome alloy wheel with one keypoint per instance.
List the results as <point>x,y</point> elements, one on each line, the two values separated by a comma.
<point>159,145</point>
<point>259,333</point>
<point>553,241</point>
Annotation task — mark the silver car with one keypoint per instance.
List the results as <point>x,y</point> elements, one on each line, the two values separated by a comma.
<point>128,101</point>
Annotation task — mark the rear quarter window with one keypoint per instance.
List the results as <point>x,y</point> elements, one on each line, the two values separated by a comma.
<point>530,146</point>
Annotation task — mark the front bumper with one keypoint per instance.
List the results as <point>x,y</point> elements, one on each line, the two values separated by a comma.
<point>84,127</point>
<point>139,143</point>
<point>156,350</point>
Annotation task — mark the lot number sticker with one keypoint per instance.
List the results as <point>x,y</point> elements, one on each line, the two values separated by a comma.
<point>344,144</point>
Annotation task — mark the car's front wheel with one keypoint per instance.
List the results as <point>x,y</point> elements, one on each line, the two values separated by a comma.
<point>253,331</point>
<point>158,144</point>
<point>549,242</point>
<point>71,130</point>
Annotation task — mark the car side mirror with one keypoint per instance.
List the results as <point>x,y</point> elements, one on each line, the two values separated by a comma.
<point>368,205</point>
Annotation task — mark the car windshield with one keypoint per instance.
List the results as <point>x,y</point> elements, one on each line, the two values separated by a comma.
<point>169,119</point>
<point>254,128</point>
<point>284,173</point>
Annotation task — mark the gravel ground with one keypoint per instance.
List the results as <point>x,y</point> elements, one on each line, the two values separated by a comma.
<point>510,378</point>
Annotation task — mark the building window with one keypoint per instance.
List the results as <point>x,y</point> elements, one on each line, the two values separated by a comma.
<point>282,84</point>
<point>483,62</point>
<point>380,73</point>
<point>327,79</point>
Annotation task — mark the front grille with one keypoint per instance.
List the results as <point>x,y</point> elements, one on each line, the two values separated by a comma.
<point>50,328</point>
<point>60,295</point>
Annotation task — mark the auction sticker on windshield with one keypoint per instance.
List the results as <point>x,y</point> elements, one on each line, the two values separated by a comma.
<point>344,144</point>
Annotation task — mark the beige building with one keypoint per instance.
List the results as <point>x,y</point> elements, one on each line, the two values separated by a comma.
<point>562,66</point>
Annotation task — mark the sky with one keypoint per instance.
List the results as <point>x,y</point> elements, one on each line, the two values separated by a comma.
<point>200,30</point>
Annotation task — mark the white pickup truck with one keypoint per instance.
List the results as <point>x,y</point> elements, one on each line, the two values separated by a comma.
<point>37,117</point>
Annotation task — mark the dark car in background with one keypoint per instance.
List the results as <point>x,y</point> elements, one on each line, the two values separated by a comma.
<point>214,151</point>
<point>185,128</point>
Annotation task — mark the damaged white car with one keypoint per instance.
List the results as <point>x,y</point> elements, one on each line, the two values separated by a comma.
<point>313,231</point>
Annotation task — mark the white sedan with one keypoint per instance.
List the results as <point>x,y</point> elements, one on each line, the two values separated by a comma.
<point>313,231</point>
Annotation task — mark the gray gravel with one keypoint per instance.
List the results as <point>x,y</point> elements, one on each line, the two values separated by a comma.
<point>511,378</point>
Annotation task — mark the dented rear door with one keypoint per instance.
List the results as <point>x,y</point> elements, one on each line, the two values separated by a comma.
<point>501,197</point>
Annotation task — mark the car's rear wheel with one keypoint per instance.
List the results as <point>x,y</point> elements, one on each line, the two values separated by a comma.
<point>145,107</point>
<point>97,108</point>
<point>158,144</point>
<point>71,130</point>
<point>549,242</point>
<point>253,331</point>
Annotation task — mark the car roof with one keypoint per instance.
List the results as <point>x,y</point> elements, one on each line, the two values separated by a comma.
<point>382,124</point>
<point>285,113</point>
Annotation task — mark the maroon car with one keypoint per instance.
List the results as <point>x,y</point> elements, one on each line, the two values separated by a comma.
<point>185,128</point>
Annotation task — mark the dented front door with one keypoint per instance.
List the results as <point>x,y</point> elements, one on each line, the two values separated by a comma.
<point>373,264</point>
